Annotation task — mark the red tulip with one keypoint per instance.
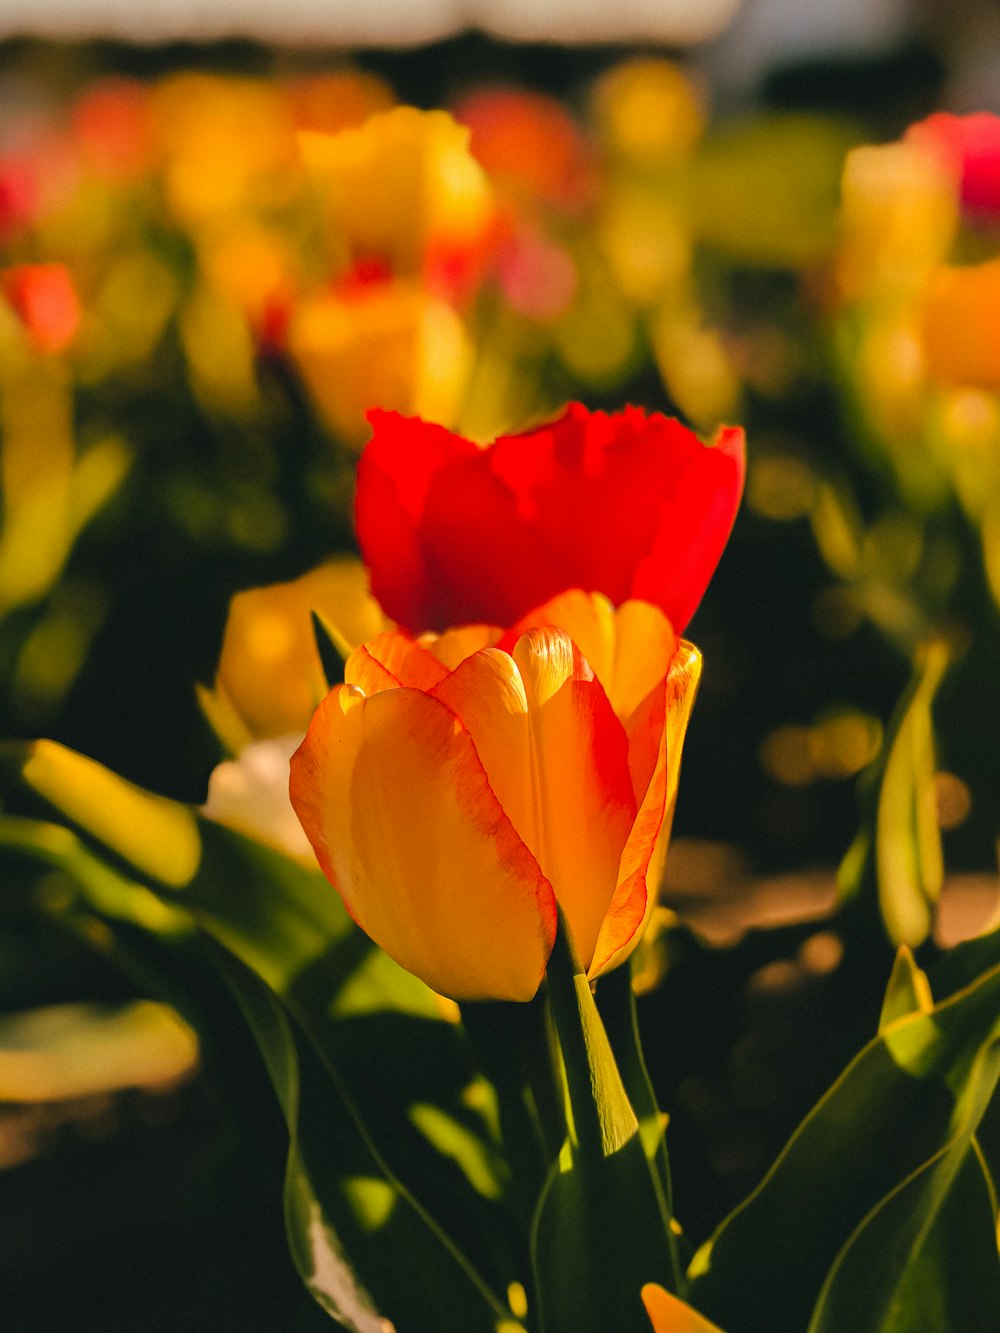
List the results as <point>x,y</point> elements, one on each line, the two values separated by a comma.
<point>629,505</point>
<point>970,145</point>
<point>44,297</point>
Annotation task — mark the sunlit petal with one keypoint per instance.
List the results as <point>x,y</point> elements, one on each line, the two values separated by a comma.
<point>643,858</point>
<point>394,799</point>
<point>557,758</point>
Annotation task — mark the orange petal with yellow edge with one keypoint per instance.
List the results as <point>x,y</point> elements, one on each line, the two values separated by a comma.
<point>645,852</point>
<point>557,758</point>
<point>669,1314</point>
<point>395,801</point>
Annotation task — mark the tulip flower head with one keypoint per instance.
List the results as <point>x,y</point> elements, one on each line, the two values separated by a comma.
<point>456,788</point>
<point>629,505</point>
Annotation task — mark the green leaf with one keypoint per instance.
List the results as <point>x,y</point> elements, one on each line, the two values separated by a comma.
<point>401,1110</point>
<point>926,1258</point>
<point>896,858</point>
<point>515,1047</point>
<point>333,648</point>
<point>616,1004</point>
<point>908,854</point>
<point>908,991</point>
<point>340,1200</point>
<point>602,1228</point>
<point>890,1134</point>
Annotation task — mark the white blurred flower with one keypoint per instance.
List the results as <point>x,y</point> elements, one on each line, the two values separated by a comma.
<point>250,794</point>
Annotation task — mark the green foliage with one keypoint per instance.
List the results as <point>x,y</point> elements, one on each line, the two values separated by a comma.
<point>845,1227</point>
<point>410,1178</point>
<point>392,1160</point>
<point>897,853</point>
<point>591,1258</point>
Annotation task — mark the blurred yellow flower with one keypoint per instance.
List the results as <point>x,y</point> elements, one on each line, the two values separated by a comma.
<point>403,188</point>
<point>899,213</point>
<point>270,678</point>
<point>649,111</point>
<point>408,214</point>
<point>394,346</point>
<point>227,144</point>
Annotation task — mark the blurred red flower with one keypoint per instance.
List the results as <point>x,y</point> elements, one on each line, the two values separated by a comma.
<point>629,505</point>
<point>530,145</point>
<point>45,300</point>
<point>970,145</point>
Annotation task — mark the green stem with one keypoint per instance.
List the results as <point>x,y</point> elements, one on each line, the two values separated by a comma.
<point>513,1048</point>
<point>617,1007</point>
<point>602,1119</point>
<point>601,1230</point>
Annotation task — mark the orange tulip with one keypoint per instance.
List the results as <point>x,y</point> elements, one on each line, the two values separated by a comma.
<point>669,1314</point>
<point>961,325</point>
<point>456,788</point>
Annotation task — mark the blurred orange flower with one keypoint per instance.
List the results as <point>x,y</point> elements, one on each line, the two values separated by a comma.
<point>114,128</point>
<point>960,324</point>
<point>530,145</point>
<point>338,100</point>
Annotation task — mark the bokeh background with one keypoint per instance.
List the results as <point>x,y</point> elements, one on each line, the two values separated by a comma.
<point>185,356</point>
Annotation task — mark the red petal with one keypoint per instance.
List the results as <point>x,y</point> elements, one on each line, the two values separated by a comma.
<point>626,505</point>
<point>394,474</point>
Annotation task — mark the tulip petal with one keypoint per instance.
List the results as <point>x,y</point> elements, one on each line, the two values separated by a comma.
<point>645,852</point>
<point>270,677</point>
<point>557,759</point>
<point>695,522</point>
<point>393,659</point>
<point>629,651</point>
<point>394,799</point>
<point>393,480</point>
<point>625,504</point>
<point>455,645</point>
